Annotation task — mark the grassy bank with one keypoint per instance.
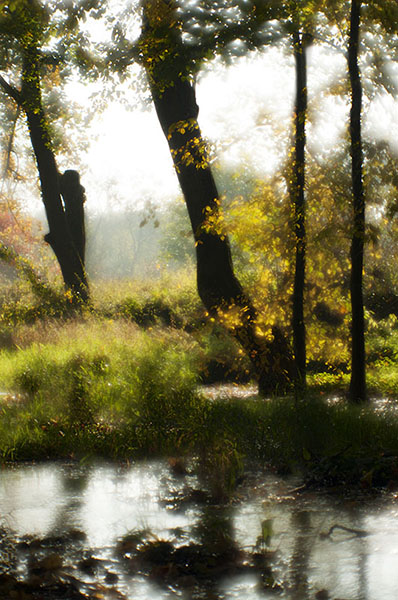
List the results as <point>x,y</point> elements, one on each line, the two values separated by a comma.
<point>122,380</point>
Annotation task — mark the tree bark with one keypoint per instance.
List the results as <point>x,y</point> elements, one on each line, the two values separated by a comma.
<point>219,289</point>
<point>357,389</point>
<point>73,194</point>
<point>70,255</point>
<point>298,193</point>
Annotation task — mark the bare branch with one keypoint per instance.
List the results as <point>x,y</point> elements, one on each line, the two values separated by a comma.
<point>11,91</point>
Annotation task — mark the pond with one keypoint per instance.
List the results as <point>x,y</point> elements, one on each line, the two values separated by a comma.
<point>72,530</point>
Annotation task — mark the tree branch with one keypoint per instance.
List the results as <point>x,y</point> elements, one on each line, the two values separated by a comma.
<point>11,91</point>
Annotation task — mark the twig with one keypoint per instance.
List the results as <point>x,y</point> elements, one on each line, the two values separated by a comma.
<point>358,532</point>
<point>300,488</point>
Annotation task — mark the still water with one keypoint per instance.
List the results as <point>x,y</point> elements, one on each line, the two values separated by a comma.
<point>356,560</point>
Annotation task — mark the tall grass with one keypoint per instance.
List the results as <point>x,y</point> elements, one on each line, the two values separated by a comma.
<point>111,373</point>
<point>108,382</point>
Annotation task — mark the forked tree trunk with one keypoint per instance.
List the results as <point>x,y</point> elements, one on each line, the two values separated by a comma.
<point>65,219</point>
<point>60,236</point>
<point>298,197</point>
<point>357,389</point>
<point>64,241</point>
<point>177,110</point>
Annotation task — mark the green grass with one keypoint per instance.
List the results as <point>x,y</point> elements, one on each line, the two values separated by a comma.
<point>108,382</point>
<point>109,388</point>
<point>97,372</point>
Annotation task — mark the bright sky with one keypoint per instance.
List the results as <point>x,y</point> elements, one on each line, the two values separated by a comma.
<point>245,110</point>
<point>236,104</point>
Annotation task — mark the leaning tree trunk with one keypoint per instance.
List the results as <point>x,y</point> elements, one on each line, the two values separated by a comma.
<point>219,289</point>
<point>357,389</point>
<point>298,197</point>
<point>65,235</point>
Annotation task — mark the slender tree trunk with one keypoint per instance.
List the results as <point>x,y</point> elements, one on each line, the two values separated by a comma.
<point>357,390</point>
<point>219,289</point>
<point>70,255</point>
<point>298,193</point>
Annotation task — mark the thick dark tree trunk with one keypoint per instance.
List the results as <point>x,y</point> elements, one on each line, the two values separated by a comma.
<point>177,110</point>
<point>298,198</point>
<point>64,237</point>
<point>218,287</point>
<point>357,390</point>
<point>60,237</point>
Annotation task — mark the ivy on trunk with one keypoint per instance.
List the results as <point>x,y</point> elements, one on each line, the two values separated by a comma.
<point>174,98</point>
<point>63,203</point>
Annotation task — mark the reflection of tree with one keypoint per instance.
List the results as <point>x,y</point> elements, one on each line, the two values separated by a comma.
<point>362,574</point>
<point>41,556</point>
<point>218,554</point>
<point>301,524</point>
<point>342,561</point>
<point>8,557</point>
<point>360,550</point>
<point>73,482</point>
<point>214,531</point>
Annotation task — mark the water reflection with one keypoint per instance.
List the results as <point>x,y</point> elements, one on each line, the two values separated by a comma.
<point>27,499</point>
<point>317,546</point>
<point>300,558</point>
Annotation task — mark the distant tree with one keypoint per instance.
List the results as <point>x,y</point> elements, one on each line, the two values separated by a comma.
<point>176,244</point>
<point>132,244</point>
<point>18,233</point>
<point>25,27</point>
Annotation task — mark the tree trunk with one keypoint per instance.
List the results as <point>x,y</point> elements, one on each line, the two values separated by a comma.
<point>357,389</point>
<point>74,197</point>
<point>298,194</point>
<point>67,245</point>
<point>177,110</point>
